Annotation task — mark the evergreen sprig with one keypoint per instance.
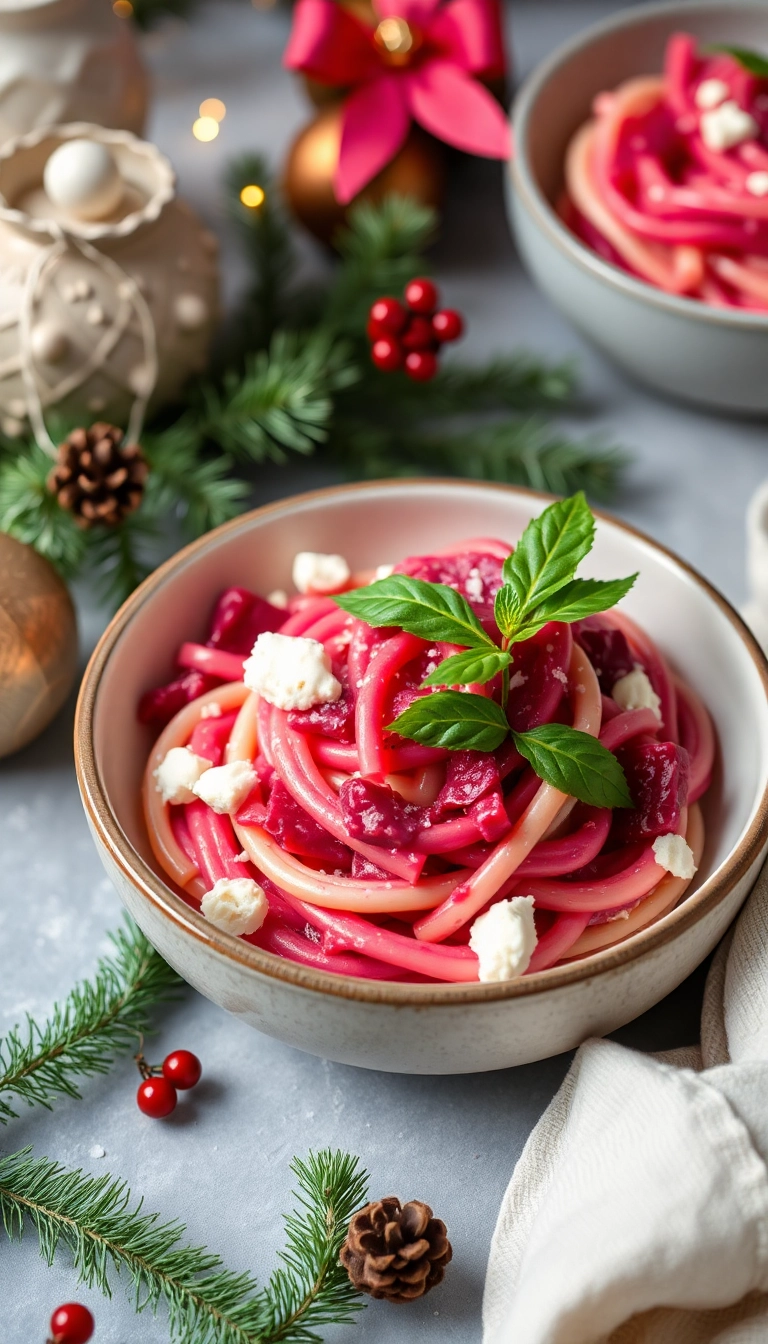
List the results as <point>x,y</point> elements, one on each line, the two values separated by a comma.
<point>100,1019</point>
<point>108,1234</point>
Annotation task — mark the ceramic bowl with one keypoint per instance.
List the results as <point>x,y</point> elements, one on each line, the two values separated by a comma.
<point>422,1028</point>
<point>687,349</point>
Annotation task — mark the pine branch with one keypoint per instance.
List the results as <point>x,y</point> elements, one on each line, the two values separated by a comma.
<point>104,1231</point>
<point>518,382</point>
<point>381,250</point>
<point>30,512</point>
<point>266,242</point>
<point>199,491</point>
<point>118,563</point>
<point>523,452</point>
<point>283,402</point>
<point>100,1019</point>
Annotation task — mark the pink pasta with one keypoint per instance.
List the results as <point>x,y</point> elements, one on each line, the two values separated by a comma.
<point>377,854</point>
<point>669,180</point>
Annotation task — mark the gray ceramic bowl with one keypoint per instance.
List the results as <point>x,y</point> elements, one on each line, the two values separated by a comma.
<point>678,346</point>
<point>423,1028</point>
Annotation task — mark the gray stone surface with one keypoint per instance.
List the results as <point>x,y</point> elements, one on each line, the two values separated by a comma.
<point>221,1163</point>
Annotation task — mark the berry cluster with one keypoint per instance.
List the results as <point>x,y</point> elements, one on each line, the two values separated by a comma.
<point>71,1324</point>
<point>407,336</point>
<point>158,1093</point>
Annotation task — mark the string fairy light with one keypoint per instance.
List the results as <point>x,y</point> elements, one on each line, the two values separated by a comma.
<point>253,196</point>
<point>205,129</point>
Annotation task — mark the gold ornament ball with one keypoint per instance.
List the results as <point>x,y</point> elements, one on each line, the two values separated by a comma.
<point>38,644</point>
<point>416,171</point>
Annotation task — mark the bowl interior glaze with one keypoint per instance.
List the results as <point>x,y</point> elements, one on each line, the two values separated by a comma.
<point>380,523</point>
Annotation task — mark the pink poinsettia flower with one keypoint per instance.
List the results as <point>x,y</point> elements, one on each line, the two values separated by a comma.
<point>418,64</point>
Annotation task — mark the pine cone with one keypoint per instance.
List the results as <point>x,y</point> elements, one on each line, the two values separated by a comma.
<point>97,477</point>
<point>396,1252</point>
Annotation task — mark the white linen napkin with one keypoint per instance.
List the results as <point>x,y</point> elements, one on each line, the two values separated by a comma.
<point>638,1212</point>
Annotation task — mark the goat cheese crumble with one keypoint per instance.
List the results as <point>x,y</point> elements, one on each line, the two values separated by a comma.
<point>235,905</point>
<point>726,126</point>
<point>675,854</point>
<point>711,93</point>
<point>634,691</point>
<point>504,939</point>
<point>225,787</point>
<point>178,773</point>
<point>291,672</point>
<point>317,573</point>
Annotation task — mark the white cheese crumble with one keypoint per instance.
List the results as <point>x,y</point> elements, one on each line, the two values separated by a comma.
<point>560,675</point>
<point>711,93</point>
<point>636,692</point>
<point>519,679</point>
<point>726,126</point>
<point>474,586</point>
<point>212,711</point>
<point>235,905</point>
<point>178,773</point>
<point>757,184</point>
<point>504,939</point>
<point>291,672</point>
<point>278,598</point>
<point>384,571</point>
<point>673,853</point>
<point>317,573</point>
<point>225,787</point>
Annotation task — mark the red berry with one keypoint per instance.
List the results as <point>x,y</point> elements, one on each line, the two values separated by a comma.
<point>448,325</point>
<point>421,296</point>
<point>183,1069</point>
<point>418,335</point>
<point>388,315</point>
<point>387,354</point>
<point>157,1097</point>
<point>421,365</point>
<point>374,330</point>
<point>71,1324</point>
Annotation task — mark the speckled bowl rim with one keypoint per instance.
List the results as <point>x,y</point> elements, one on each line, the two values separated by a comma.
<point>525,183</point>
<point>110,834</point>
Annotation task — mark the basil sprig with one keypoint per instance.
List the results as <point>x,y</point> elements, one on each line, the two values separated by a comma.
<point>539,586</point>
<point>571,761</point>
<point>750,60</point>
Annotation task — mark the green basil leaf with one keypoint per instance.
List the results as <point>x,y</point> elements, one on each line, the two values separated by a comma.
<point>475,665</point>
<point>549,551</point>
<point>507,610</point>
<point>456,720</point>
<point>574,602</point>
<point>429,610</point>
<point>576,764</point>
<point>750,60</point>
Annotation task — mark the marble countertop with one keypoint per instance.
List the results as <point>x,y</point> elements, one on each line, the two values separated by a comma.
<point>221,1163</point>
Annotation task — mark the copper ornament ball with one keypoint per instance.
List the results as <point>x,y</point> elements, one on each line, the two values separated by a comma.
<point>416,171</point>
<point>38,644</point>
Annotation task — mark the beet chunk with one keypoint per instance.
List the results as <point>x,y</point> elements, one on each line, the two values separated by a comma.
<point>608,652</point>
<point>239,617</point>
<point>158,706</point>
<point>336,719</point>
<point>474,574</point>
<point>490,816</point>
<point>298,833</point>
<point>375,813</point>
<point>470,775</point>
<point>657,775</point>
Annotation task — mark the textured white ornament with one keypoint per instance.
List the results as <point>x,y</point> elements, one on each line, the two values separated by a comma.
<point>49,342</point>
<point>104,286</point>
<point>81,177</point>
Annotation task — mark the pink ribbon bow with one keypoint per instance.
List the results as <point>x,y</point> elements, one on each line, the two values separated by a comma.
<point>418,64</point>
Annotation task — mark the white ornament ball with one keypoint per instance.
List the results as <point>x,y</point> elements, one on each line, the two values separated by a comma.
<point>81,176</point>
<point>49,342</point>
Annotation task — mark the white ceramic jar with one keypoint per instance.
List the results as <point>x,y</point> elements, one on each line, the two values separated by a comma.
<point>77,296</point>
<point>68,60</point>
